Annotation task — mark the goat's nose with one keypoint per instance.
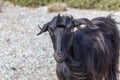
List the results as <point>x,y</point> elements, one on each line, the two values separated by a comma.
<point>59,57</point>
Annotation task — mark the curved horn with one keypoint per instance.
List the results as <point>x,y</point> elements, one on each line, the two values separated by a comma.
<point>86,22</point>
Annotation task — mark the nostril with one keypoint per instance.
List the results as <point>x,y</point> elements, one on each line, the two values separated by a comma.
<point>60,56</point>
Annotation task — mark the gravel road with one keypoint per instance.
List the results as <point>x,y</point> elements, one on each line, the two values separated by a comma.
<point>23,54</point>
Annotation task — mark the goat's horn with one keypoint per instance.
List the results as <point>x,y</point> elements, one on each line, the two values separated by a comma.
<point>85,21</point>
<point>59,14</point>
<point>82,26</point>
<point>40,29</point>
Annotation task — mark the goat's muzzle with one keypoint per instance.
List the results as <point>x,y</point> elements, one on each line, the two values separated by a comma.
<point>59,57</point>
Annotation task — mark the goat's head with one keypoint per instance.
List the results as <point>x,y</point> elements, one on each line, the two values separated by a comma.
<point>61,29</point>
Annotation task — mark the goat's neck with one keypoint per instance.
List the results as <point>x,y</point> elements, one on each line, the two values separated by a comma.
<point>71,58</point>
<point>72,67</point>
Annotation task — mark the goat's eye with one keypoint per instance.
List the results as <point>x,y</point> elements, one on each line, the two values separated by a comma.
<point>50,31</point>
<point>72,30</point>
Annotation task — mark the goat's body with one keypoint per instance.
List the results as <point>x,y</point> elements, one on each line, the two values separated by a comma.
<point>96,51</point>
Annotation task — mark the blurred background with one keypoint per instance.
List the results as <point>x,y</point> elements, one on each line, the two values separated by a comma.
<point>26,56</point>
<point>81,4</point>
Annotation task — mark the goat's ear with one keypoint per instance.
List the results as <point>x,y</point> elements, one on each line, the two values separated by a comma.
<point>43,29</point>
<point>84,23</point>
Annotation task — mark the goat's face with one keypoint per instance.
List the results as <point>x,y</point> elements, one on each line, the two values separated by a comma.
<point>61,30</point>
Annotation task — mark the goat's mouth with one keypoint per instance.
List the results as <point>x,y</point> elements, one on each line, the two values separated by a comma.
<point>59,57</point>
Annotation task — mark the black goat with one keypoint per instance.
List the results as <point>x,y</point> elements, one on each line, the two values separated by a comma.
<point>89,53</point>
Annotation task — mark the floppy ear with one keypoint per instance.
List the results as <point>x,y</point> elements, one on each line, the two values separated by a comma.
<point>85,22</point>
<point>43,29</point>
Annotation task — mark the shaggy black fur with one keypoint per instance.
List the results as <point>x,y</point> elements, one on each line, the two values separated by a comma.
<point>91,53</point>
